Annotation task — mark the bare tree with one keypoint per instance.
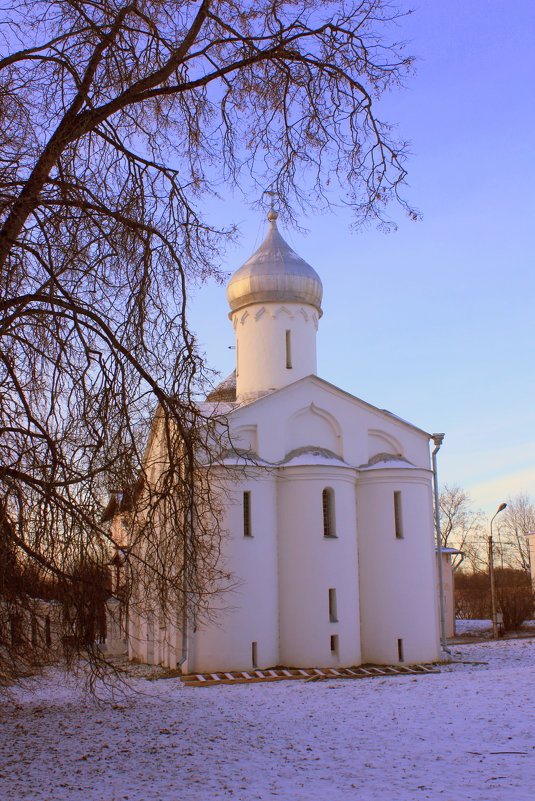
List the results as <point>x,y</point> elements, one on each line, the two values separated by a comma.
<point>118,118</point>
<point>517,520</point>
<point>461,526</point>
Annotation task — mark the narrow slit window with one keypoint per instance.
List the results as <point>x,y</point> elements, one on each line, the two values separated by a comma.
<point>334,643</point>
<point>400,650</point>
<point>333,616</point>
<point>254,654</point>
<point>247,532</point>
<point>288,350</point>
<point>398,516</point>
<point>327,500</point>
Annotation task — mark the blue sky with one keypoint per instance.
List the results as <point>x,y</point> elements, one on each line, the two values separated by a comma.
<point>436,322</point>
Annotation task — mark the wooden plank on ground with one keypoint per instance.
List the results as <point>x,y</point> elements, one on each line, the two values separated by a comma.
<point>310,674</point>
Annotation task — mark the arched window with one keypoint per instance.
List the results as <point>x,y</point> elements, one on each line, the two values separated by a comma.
<point>327,499</point>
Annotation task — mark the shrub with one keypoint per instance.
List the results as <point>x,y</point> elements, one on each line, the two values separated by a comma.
<point>514,596</point>
<point>472,596</point>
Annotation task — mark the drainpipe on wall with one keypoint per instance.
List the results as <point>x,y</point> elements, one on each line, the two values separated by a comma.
<point>185,620</point>
<point>184,636</point>
<point>438,439</point>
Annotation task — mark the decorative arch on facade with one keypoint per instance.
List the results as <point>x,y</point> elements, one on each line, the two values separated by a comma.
<point>314,426</point>
<point>282,310</point>
<point>381,442</point>
<point>245,438</point>
<point>260,313</point>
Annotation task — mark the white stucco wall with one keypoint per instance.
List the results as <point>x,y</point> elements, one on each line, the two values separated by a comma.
<point>448,583</point>
<point>310,564</point>
<point>260,330</point>
<point>385,588</point>
<point>248,613</point>
<point>397,576</point>
<point>353,423</point>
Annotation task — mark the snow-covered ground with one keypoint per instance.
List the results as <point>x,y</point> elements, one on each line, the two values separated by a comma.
<point>483,628</point>
<point>465,734</point>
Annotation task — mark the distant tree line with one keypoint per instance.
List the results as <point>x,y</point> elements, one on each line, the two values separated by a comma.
<point>467,530</point>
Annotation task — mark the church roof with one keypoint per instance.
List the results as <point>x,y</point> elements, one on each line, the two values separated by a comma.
<point>225,392</point>
<point>275,273</point>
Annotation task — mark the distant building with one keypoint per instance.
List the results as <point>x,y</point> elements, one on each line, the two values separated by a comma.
<point>531,544</point>
<point>448,587</point>
<point>330,519</point>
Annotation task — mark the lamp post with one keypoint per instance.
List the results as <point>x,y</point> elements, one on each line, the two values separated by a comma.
<point>501,507</point>
<point>438,440</point>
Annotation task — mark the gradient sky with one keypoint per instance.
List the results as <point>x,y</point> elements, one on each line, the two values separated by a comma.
<point>435,322</point>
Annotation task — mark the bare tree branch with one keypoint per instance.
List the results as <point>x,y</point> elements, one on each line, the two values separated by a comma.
<point>118,121</point>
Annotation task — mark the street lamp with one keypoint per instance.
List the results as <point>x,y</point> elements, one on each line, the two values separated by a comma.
<point>438,440</point>
<point>501,507</point>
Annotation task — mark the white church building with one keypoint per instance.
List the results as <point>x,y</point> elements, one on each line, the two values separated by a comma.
<point>329,524</point>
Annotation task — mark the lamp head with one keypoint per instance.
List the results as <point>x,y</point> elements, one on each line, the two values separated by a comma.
<point>501,507</point>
